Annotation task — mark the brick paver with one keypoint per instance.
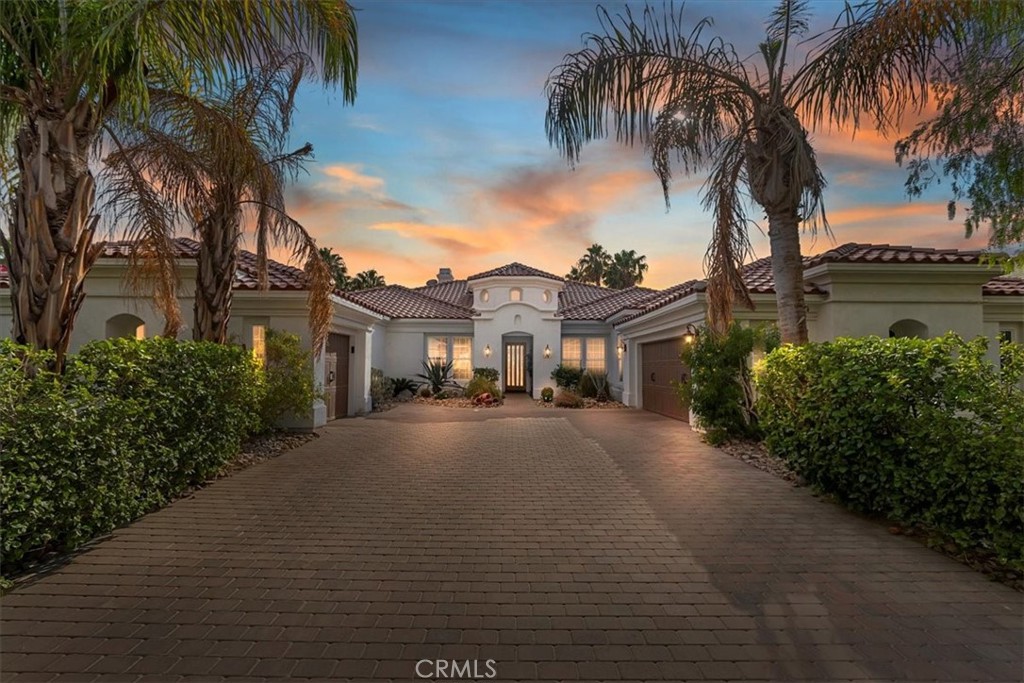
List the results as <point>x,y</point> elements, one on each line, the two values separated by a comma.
<point>563,545</point>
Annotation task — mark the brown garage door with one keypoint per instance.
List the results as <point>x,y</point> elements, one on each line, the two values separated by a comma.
<point>336,380</point>
<point>660,368</point>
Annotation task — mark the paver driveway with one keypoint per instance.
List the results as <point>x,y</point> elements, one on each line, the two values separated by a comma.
<point>598,545</point>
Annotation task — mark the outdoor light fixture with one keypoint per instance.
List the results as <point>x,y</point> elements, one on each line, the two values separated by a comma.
<point>619,350</point>
<point>547,351</point>
<point>690,335</point>
<point>487,351</point>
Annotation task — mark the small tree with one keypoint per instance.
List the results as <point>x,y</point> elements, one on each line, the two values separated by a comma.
<point>721,389</point>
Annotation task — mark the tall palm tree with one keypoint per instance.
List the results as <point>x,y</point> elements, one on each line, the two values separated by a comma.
<point>594,263</point>
<point>697,101</point>
<point>575,274</point>
<point>68,66</point>
<point>336,264</point>
<point>367,279</point>
<point>217,163</point>
<point>627,269</point>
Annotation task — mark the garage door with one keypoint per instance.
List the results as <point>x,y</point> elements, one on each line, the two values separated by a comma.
<point>660,368</point>
<point>336,371</point>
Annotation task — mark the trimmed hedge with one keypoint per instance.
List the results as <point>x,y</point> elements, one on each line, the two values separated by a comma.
<point>925,432</point>
<point>130,425</point>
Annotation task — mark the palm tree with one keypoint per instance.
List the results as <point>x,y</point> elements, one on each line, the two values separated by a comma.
<point>216,163</point>
<point>575,274</point>
<point>698,101</point>
<point>69,66</point>
<point>627,270</point>
<point>336,264</point>
<point>368,279</point>
<point>594,263</point>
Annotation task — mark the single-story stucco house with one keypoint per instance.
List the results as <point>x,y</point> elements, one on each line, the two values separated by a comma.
<point>524,321</point>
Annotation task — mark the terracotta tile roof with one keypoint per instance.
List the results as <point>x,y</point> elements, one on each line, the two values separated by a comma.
<point>515,270</point>
<point>455,292</point>
<point>611,303</point>
<point>886,253</point>
<point>576,293</point>
<point>279,275</point>
<point>396,301</point>
<point>758,277</point>
<point>665,297</point>
<point>1004,285</point>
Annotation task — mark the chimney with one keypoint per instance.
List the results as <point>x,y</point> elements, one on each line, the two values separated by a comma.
<point>445,275</point>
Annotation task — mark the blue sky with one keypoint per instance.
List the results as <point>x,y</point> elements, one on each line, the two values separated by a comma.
<point>443,160</point>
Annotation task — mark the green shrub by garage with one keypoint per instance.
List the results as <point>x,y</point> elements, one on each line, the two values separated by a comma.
<point>924,432</point>
<point>130,425</point>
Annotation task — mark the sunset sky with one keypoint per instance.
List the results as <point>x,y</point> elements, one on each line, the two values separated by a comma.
<point>443,160</point>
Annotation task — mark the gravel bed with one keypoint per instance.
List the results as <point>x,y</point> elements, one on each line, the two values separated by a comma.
<point>755,454</point>
<point>460,402</point>
<point>265,447</point>
<point>589,404</point>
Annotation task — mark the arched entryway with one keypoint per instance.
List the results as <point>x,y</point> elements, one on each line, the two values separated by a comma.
<point>908,327</point>
<point>125,325</point>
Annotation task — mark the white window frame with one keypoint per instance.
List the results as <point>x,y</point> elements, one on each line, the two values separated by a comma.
<point>583,349</point>
<point>449,351</point>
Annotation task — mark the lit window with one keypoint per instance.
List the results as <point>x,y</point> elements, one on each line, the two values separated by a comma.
<point>572,352</point>
<point>587,353</point>
<point>515,294</point>
<point>437,349</point>
<point>259,343</point>
<point>457,350</point>
<point>462,356</point>
<point>485,295</point>
<point>547,296</point>
<point>595,354</point>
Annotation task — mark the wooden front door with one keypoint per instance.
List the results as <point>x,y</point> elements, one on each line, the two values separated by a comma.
<point>661,369</point>
<point>336,375</point>
<point>515,366</point>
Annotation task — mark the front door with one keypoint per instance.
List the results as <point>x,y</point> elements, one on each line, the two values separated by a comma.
<point>515,366</point>
<point>336,380</point>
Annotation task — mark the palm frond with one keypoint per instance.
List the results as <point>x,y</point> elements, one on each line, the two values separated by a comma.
<point>730,244</point>
<point>878,60</point>
<point>624,75</point>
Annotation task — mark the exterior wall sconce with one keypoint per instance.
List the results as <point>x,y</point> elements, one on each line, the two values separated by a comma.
<point>620,350</point>
<point>487,351</point>
<point>547,351</point>
<point>690,335</point>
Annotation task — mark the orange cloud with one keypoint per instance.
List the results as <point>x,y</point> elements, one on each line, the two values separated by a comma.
<point>349,177</point>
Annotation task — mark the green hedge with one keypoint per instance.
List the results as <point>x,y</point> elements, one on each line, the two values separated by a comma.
<point>130,424</point>
<point>925,432</point>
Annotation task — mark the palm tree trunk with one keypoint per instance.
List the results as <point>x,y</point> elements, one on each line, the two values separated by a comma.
<point>51,245</point>
<point>218,256</point>
<point>788,271</point>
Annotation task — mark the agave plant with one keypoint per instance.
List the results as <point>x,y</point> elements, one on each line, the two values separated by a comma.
<point>437,376</point>
<point>400,384</point>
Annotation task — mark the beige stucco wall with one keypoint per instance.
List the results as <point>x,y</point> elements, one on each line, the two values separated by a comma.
<point>404,343</point>
<point>107,297</point>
